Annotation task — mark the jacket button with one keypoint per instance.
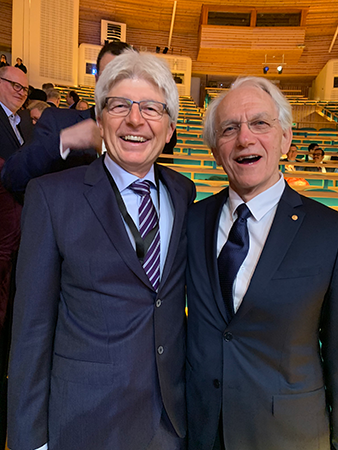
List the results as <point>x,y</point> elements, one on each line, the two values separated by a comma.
<point>227,336</point>
<point>158,303</point>
<point>160,350</point>
<point>216,384</point>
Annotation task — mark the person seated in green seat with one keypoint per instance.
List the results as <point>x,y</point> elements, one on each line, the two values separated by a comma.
<point>311,148</point>
<point>318,158</point>
<point>291,158</point>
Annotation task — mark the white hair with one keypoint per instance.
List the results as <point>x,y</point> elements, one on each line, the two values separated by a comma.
<point>145,66</point>
<point>283,106</point>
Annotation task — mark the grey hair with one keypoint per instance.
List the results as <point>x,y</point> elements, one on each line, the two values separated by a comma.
<point>283,106</point>
<point>53,93</point>
<point>37,104</point>
<point>145,66</point>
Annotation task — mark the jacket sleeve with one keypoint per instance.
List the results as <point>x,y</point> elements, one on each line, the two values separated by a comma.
<point>36,157</point>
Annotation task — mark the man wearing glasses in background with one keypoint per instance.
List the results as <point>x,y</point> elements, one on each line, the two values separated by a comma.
<point>13,93</point>
<point>262,366</point>
<point>98,349</point>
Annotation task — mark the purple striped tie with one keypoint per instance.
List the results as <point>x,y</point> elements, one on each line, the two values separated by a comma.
<point>147,221</point>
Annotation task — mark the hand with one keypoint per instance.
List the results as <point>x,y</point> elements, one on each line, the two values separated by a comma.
<point>85,134</point>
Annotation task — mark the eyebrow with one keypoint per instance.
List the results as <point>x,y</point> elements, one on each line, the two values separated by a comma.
<point>262,115</point>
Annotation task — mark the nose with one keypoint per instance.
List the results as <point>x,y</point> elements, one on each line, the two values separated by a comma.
<point>134,117</point>
<point>245,136</point>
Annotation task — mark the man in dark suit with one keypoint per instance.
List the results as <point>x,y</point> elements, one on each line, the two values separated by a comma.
<point>262,367</point>
<point>13,93</point>
<point>72,99</point>
<point>98,350</point>
<point>53,97</point>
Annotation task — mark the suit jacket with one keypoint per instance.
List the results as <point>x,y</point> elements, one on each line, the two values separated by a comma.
<point>97,353</point>
<point>264,368</point>
<point>42,154</point>
<point>9,143</point>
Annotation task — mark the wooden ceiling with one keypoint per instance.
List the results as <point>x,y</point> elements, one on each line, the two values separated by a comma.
<point>148,25</point>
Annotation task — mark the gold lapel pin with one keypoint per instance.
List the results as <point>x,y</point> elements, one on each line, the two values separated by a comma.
<point>294,217</point>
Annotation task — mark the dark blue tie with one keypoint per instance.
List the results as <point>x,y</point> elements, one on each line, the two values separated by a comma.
<point>233,254</point>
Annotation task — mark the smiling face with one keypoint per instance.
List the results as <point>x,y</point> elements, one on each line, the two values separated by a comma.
<point>318,155</point>
<point>133,142</point>
<point>8,95</point>
<point>250,160</point>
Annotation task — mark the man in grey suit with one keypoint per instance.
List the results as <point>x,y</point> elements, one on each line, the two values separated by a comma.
<point>262,366</point>
<point>98,350</point>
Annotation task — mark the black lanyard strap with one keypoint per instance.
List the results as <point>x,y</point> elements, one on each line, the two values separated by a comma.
<point>142,245</point>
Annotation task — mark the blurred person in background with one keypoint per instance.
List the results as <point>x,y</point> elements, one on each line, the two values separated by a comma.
<point>36,108</point>
<point>19,64</point>
<point>82,105</point>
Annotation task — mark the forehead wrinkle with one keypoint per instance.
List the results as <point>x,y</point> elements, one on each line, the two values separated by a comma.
<point>262,115</point>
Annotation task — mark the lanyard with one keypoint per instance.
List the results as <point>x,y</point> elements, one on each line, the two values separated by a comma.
<point>142,245</point>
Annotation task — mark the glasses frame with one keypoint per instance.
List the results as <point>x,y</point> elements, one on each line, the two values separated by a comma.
<point>131,102</point>
<point>248,123</point>
<point>14,84</point>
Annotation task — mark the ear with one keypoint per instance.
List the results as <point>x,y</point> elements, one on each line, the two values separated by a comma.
<point>100,124</point>
<point>216,156</point>
<point>286,141</point>
<point>170,132</point>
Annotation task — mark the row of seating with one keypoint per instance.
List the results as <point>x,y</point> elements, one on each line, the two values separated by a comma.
<point>210,178</point>
<point>193,159</point>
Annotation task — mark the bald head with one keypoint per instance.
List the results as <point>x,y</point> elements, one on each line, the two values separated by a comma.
<point>13,88</point>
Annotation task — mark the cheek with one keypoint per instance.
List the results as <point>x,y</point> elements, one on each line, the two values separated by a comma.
<point>106,128</point>
<point>222,154</point>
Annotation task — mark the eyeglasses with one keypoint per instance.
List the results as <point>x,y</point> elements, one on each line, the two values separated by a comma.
<point>257,126</point>
<point>16,86</point>
<point>121,107</point>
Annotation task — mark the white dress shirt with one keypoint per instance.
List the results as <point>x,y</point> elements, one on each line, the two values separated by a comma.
<point>263,208</point>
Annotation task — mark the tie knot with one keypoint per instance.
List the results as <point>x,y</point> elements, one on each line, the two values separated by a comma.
<point>243,212</point>
<point>141,188</point>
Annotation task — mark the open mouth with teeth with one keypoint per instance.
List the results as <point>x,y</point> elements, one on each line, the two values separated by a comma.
<point>250,159</point>
<point>131,138</point>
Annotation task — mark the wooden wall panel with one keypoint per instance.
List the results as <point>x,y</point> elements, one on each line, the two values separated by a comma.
<point>6,23</point>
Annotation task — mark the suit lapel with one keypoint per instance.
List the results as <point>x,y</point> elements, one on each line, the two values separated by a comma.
<point>102,201</point>
<point>212,217</point>
<point>288,219</point>
<point>178,199</point>
<point>8,128</point>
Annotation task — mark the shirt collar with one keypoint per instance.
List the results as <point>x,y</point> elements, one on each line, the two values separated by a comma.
<point>124,179</point>
<point>9,113</point>
<point>262,203</point>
